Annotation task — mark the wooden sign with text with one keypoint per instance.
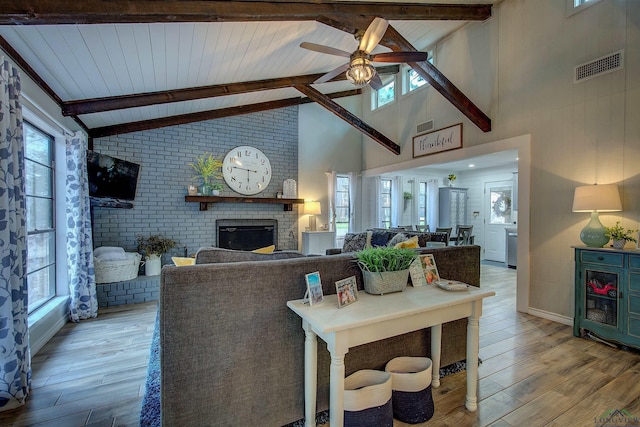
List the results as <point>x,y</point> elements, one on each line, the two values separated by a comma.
<point>445,139</point>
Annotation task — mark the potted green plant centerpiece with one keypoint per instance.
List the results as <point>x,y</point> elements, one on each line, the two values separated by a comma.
<point>619,236</point>
<point>208,168</point>
<point>385,269</point>
<point>152,248</point>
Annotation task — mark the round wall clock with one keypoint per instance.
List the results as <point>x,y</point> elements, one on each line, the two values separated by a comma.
<point>246,170</point>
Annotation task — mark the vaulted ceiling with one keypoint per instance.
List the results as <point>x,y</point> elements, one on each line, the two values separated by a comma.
<point>119,66</point>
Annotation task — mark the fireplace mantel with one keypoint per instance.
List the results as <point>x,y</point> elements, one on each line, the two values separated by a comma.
<point>205,200</point>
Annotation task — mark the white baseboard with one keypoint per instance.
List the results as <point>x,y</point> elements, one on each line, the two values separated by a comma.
<point>551,316</point>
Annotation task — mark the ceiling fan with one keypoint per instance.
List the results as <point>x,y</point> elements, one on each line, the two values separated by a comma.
<point>359,70</point>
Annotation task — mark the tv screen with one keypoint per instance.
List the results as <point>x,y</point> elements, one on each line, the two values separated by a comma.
<point>111,178</point>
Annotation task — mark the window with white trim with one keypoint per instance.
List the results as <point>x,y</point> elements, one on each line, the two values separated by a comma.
<point>385,95</point>
<point>40,211</point>
<point>385,203</point>
<point>343,206</point>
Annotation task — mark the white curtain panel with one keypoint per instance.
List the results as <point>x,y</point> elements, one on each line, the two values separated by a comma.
<point>83,303</point>
<point>433,206</point>
<point>353,196</point>
<point>331,194</point>
<point>15,358</point>
<point>397,201</point>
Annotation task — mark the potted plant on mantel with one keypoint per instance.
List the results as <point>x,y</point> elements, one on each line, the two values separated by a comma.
<point>385,269</point>
<point>208,168</point>
<point>619,236</point>
<point>152,248</point>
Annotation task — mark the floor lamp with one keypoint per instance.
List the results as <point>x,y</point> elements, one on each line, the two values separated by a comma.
<point>596,198</point>
<point>312,209</point>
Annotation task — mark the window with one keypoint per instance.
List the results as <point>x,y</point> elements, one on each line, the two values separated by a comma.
<point>41,232</point>
<point>422,204</point>
<point>575,6</point>
<point>385,203</point>
<point>343,207</point>
<point>415,80</point>
<point>384,95</point>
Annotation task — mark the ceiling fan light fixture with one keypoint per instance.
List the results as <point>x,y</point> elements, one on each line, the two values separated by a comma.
<point>360,71</point>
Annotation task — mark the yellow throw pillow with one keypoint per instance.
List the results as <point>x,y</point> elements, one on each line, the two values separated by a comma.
<point>265,250</point>
<point>409,244</point>
<point>181,261</point>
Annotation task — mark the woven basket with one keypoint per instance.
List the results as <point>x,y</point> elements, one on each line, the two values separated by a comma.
<point>367,399</point>
<point>119,270</point>
<point>411,384</point>
<point>385,282</point>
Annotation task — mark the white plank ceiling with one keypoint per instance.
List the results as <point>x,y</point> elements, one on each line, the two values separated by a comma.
<point>93,61</point>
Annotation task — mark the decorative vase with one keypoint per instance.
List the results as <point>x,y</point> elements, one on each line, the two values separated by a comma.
<point>205,189</point>
<point>619,243</point>
<point>152,265</point>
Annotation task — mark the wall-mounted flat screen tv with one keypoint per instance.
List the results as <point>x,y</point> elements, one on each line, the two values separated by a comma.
<point>111,178</point>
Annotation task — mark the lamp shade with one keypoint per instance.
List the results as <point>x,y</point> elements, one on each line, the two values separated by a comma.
<point>598,198</point>
<point>312,208</point>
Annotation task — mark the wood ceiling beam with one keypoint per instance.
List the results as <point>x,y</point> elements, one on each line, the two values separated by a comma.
<point>207,115</point>
<point>326,102</point>
<point>96,105</point>
<point>397,43</point>
<point>50,12</point>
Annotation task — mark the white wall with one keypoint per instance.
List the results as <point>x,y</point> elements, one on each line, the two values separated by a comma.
<point>326,143</point>
<point>517,67</point>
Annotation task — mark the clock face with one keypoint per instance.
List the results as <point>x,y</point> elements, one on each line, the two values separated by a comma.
<point>246,170</point>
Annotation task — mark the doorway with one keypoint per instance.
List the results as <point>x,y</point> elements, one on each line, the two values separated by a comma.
<point>498,197</point>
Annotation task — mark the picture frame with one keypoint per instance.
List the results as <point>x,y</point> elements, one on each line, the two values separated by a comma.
<point>314,288</point>
<point>417,274</point>
<point>437,141</point>
<point>347,291</point>
<point>429,268</point>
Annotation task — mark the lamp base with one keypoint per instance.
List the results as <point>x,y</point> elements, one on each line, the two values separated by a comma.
<point>312,223</point>
<point>592,234</point>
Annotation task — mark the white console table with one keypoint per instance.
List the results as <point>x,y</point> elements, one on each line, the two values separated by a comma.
<point>373,318</point>
<point>317,242</point>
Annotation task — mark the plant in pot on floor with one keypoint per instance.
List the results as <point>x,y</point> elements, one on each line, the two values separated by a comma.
<point>208,168</point>
<point>152,248</point>
<point>385,269</point>
<point>619,236</point>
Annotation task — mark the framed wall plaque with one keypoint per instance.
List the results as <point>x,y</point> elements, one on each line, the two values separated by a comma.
<point>445,139</point>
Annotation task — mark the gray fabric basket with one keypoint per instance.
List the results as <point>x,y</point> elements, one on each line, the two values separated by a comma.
<point>367,399</point>
<point>412,398</point>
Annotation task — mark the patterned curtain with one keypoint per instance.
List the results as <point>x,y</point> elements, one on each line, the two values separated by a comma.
<point>15,360</point>
<point>82,279</point>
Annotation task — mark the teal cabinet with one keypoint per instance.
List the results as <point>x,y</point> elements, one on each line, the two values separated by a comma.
<point>607,294</point>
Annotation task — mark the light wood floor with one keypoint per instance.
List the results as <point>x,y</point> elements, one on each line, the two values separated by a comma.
<point>534,372</point>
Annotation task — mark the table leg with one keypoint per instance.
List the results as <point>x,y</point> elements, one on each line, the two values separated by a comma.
<point>473,329</point>
<point>336,391</point>
<point>310,375</point>
<point>436,346</point>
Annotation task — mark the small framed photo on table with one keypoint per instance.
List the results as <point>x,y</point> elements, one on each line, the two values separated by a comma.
<point>347,291</point>
<point>430,269</point>
<point>314,288</point>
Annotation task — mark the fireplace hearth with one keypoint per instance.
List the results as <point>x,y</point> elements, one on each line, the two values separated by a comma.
<point>246,234</point>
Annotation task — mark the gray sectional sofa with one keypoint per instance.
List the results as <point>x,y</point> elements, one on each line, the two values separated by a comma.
<point>232,353</point>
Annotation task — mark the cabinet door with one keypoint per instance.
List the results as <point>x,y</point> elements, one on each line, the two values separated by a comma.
<point>600,289</point>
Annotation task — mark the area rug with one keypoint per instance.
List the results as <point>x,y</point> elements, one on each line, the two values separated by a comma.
<point>150,411</point>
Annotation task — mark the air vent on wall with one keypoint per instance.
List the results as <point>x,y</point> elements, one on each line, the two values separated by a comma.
<point>424,127</point>
<point>597,67</point>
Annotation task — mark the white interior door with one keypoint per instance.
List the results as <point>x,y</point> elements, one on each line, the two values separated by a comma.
<point>498,216</point>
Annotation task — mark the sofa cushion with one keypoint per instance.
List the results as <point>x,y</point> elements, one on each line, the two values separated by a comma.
<point>380,237</point>
<point>354,242</point>
<point>400,237</point>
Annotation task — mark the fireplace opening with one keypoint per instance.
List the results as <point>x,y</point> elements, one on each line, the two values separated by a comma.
<point>246,234</point>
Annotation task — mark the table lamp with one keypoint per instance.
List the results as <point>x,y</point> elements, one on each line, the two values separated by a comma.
<point>596,198</point>
<point>312,209</point>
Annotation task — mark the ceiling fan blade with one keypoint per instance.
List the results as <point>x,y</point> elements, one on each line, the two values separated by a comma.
<point>324,49</point>
<point>376,82</point>
<point>331,74</point>
<point>373,35</point>
<point>400,57</point>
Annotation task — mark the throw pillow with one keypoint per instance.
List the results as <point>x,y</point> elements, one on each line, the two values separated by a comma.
<point>265,250</point>
<point>354,242</point>
<point>381,237</point>
<point>411,243</point>
<point>400,237</point>
<point>181,261</point>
